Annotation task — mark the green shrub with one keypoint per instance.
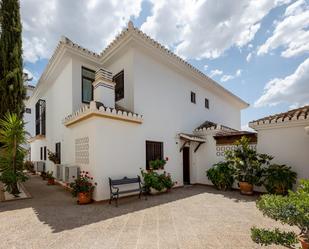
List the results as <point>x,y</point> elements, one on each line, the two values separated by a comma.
<point>292,209</point>
<point>221,175</point>
<point>157,181</point>
<point>157,164</point>
<point>279,179</point>
<point>267,237</point>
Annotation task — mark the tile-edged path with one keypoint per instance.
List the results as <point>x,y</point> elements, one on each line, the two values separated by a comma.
<point>190,217</point>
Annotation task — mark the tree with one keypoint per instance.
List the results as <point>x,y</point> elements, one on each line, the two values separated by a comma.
<point>12,137</point>
<point>12,90</point>
<point>248,164</point>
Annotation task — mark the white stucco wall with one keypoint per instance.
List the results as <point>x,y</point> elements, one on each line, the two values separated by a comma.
<point>116,148</point>
<point>58,97</point>
<point>289,145</point>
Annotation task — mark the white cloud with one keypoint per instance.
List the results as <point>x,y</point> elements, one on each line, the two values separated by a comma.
<point>90,23</point>
<point>215,72</point>
<point>205,67</point>
<point>205,29</point>
<point>29,73</point>
<point>291,33</point>
<point>293,89</point>
<point>248,58</point>
<point>228,77</point>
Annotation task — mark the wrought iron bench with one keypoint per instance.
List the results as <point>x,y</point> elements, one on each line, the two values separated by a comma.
<point>115,191</point>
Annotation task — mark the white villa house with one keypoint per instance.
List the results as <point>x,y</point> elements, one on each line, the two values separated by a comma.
<point>113,112</point>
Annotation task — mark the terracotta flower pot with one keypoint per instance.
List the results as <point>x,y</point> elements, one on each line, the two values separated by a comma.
<point>51,181</point>
<point>246,188</point>
<point>304,243</point>
<point>84,198</point>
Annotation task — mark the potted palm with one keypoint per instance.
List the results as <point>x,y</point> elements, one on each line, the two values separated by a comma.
<point>50,178</point>
<point>12,136</point>
<point>82,188</point>
<point>248,164</point>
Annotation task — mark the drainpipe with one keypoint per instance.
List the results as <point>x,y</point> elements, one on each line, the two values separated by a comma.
<point>104,88</point>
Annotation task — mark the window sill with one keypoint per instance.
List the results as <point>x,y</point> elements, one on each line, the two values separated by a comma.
<point>37,137</point>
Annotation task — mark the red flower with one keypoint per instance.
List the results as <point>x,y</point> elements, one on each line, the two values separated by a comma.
<point>87,173</point>
<point>73,176</point>
<point>91,178</point>
<point>166,159</point>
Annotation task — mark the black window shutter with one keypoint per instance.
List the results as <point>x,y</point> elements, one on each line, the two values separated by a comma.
<point>41,153</point>
<point>45,153</point>
<point>43,117</point>
<point>119,88</point>
<point>37,118</point>
<point>58,152</point>
<point>154,150</point>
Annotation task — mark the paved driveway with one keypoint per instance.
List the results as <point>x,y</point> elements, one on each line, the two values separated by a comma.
<point>190,217</point>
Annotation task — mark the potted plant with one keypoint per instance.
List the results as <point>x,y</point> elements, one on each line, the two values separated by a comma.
<point>157,164</point>
<point>82,187</point>
<point>53,157</point>
<point>292,209</point>
<point>44,175</point>
<point>248,164</point>
<point>221,175</point>
<point>279,179</point>
<point>50,178</point>
<point>157,183</point>
<point>29,166</point>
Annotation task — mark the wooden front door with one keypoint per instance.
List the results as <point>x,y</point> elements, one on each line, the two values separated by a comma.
<point>186,165</point>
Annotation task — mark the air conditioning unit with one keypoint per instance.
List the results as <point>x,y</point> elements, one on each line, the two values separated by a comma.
<point>71,173</point>
<point>40,166</point>
<point>59,172</point>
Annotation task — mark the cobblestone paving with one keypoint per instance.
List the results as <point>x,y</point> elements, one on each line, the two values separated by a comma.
<point>190,217</point>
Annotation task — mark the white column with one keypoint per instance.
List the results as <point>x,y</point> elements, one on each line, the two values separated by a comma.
<point>104,88</point>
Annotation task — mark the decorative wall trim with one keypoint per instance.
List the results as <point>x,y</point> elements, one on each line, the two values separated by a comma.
<point>104,85</point>
<point>105,112</point>
<point>295,117</point>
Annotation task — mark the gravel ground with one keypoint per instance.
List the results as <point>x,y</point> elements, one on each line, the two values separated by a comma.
<point>190,217</point>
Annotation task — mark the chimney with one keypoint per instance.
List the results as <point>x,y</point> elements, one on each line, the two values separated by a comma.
<point>104,88</point>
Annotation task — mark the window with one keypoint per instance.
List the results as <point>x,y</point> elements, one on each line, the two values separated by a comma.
<point>58,152</point>
<point>45,153</point>
<point>119,88</point>
<point>193,97</point>
<point>206,103</point>
<point>154,150</point>
<point>40,117</point>
<point>41,153</point>
<point>28,110</point>
<point>87,88</point>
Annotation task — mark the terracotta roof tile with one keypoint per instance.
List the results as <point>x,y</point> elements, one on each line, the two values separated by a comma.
<point>301,113</point>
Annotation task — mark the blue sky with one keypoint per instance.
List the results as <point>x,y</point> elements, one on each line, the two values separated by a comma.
<point>244,48</point>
